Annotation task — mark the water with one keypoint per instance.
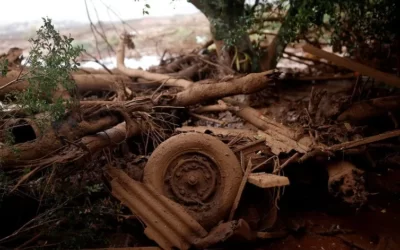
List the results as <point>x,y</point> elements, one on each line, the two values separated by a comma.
<point>144,62</point>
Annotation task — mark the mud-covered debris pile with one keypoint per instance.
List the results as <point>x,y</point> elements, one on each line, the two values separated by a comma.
<point>189,153</point>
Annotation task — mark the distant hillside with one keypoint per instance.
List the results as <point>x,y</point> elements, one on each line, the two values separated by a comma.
<point>16,29</point>
<point>153,34</point>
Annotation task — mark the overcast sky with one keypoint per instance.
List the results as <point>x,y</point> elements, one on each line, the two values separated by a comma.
<point>60,10</point>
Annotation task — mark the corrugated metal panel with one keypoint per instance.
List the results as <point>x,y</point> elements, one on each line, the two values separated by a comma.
<point>167,222</point>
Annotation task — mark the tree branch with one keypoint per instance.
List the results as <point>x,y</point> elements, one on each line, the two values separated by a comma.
<point>160,78</point>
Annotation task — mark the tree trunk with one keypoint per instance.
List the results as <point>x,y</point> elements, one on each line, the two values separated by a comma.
<point>228,28</point>
<point>269,60</point>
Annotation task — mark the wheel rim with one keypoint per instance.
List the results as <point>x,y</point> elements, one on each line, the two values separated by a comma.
<point>193,179</point>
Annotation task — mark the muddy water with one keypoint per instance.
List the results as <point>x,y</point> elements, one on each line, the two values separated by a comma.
<point>144,62</point>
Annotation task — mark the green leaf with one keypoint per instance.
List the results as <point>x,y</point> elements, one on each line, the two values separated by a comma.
<point>4,67</point>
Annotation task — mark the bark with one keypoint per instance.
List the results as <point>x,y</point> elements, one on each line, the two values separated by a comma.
<point>94,82</point>
<point>100,82</point>
<point>275,49</point>
<point>198,93</point>
<point>389,79</point>
<point>371,108</point>
<point>111,137</point>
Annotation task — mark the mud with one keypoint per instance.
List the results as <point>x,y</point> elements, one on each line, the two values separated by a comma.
<point>346,182</point>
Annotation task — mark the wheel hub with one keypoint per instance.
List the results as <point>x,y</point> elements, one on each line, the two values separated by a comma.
<point>193,179</point>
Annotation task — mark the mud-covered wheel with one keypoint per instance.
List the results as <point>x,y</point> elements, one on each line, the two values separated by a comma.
<point>197,171</point>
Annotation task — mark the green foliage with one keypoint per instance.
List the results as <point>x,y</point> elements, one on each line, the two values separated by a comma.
<point>96,188</point>
<point>52,59</point>
<point>3,67</point>
<point>350,22</point>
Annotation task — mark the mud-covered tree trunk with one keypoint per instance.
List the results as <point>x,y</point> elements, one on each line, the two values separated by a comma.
<point>227,25</point>
<point>269,60</point>
<point>229,30</point>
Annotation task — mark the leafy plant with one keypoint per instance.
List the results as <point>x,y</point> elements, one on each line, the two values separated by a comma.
<point>3,67</point>
<point>51,61</point>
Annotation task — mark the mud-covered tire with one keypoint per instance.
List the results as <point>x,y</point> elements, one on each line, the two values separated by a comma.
<point>165,164</point>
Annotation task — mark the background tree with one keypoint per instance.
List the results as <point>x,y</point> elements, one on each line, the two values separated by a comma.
<point>357,24</point>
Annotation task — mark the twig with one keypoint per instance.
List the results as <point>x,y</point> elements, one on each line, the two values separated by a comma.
<point>307,59</point>
<point>263,163</point>
<point>326,77</point>
<point>387,78</point>
<point>240,191</point>
<point>30,240</point>
<point>122,21</point>
<point>45,188</point>
<point>242,162</point>
<point>248,145</point>
<point>14,81</point>
<point>290,160</point>
<point>298,61</point>
<point>364,141</point>
<point>356,86</point>
<point>159,87</point>
<point>25,177</point>
<point>93,31</point>
<point>100,63</point>
<point>202,117</point>
<point>162,57</point>
<point>103,34</point>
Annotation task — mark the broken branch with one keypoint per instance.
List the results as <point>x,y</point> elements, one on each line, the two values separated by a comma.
<point>355,66</point>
